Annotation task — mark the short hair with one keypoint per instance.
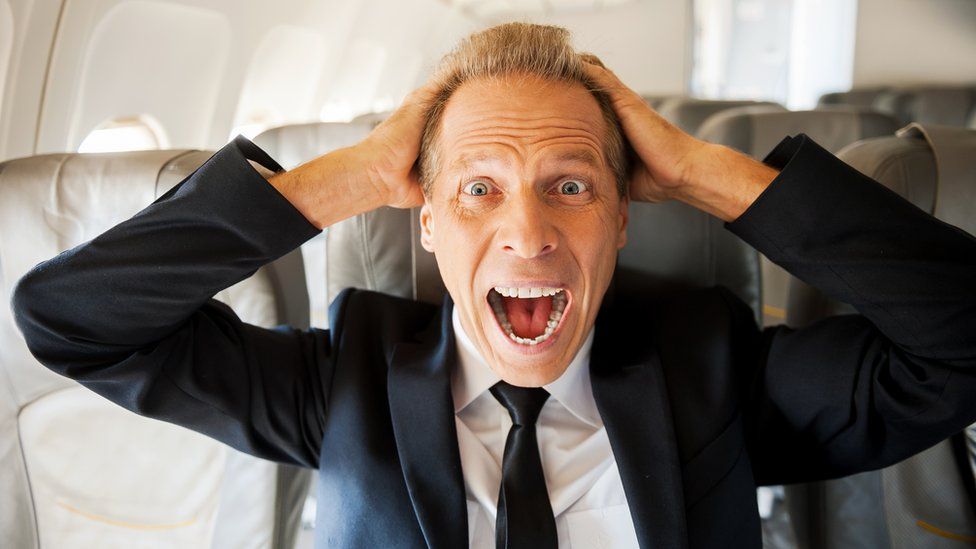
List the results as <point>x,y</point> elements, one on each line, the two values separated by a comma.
<point>522,49</point>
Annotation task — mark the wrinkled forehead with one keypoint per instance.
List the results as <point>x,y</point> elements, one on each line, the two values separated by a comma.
<point>520,119</point>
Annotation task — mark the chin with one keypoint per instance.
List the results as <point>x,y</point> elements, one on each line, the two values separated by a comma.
<point>529,329</point>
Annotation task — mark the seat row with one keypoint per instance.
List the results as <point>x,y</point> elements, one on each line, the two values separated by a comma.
<point>155,484</point>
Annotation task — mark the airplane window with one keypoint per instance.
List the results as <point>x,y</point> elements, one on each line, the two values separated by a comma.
<point>123,134</point>
<point>790,51</point>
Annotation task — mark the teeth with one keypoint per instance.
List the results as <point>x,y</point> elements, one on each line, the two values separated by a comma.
<point>558,306</point>
<point>527,292</point>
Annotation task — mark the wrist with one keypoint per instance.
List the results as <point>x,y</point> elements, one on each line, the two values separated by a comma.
<point>330,188</point>
<point>722,181</point>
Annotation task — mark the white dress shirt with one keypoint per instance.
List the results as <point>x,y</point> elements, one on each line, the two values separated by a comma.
<point>584,484</point>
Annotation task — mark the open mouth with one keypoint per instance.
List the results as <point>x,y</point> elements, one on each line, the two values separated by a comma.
<point>528,316</point>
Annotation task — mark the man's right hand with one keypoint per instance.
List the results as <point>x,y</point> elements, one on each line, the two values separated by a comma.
<point>378,171</point>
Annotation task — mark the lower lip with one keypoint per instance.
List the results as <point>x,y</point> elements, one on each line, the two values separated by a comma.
<point>539,347</point>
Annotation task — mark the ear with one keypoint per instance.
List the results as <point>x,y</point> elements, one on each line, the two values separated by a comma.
<point>426,228</point>
<point>623,215</point>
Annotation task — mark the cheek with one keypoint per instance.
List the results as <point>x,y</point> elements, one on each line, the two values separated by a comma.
<point>457,245</point>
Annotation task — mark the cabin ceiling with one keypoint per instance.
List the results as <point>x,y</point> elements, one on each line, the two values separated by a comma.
<point>489,9</point>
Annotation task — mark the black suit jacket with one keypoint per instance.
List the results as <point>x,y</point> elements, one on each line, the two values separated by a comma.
<point>699,404</point>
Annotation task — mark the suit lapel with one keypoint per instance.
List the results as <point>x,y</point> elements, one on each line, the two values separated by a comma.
<point>630,392</point>
<point>422,410</point>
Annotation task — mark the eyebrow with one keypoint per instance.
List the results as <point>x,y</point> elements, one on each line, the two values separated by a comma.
<point>584,156</point>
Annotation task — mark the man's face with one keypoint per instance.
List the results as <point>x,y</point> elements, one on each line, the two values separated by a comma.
<point>524,200</point>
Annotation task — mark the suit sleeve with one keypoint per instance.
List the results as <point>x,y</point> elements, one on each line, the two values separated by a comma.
<point>130,314</point>
<point>855,392</point>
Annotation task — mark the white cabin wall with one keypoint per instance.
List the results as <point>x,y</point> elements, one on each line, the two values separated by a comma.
<point>647,43</point>
<point>34,24</point>
<point>394,48</point>
<point>913,41</point>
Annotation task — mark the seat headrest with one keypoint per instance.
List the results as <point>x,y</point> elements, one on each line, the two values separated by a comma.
<point>931,166</point>
<point>954,151</point>
<point>59,201</point>
<point>371,119</point>
<point>671,244</point>
<point>941,105</point>
<point>860,97</point>
<point>689,113</point>
<point>655,101</point>
<point>757,132</point>
<point>294,144</point>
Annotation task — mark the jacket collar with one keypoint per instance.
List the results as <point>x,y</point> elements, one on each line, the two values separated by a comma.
<point>419,388</point>
<point>631,394</point>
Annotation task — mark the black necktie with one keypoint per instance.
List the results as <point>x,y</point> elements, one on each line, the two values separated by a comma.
<point>524,517</point>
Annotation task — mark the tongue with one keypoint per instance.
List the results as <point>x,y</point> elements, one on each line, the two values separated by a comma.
<point>528,316</point>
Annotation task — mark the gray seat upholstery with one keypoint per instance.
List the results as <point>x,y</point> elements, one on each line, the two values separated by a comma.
<point>291,146</point>
<point>757,132</point>
<point>670,242</point>
<point>297,143</point>
<point>689,113</point>
<point>860,97</point>
<point>940,105</point>
<point>371,119</point>
<point>655,101</point>
<point>77,471</point>
<point>927,500</point>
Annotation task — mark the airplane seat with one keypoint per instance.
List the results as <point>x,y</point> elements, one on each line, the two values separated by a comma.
<point>756,133</point>
<point>858,97</point>
<point>688,113</point>
<point>939,105</point>
<point>655,101</point>
<point>78,471</point>
<point>928,500</point>
<point>292,145</point>
<point>670,244</point>
<point>372,119</point>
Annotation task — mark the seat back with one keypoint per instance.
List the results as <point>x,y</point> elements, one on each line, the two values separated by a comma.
<point>939,105</point>
<point>290,146</point>
<point>78,471</point>
<point>655,101</point>
<point>689,113</point>
<point>927,500</point>
<point>381,251</point>
<point>757,132</point>
<point>371,119</point>
<point>860,97</point>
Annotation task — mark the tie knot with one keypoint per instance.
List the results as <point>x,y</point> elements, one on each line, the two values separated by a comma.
<point>522,403</point>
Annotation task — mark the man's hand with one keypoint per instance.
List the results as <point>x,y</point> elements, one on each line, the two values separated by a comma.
<point>378,171</point>
<point>675,165</point>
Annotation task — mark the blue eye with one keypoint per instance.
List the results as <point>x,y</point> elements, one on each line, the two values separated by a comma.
<point>476,188</point>
<point>572,187</point>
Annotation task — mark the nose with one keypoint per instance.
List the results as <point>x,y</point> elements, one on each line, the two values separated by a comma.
<point>526,230</point>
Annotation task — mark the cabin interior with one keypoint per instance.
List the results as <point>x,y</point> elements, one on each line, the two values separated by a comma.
<point>87,86</point>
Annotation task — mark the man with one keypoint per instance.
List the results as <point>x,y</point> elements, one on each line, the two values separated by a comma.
<point>534,407</point>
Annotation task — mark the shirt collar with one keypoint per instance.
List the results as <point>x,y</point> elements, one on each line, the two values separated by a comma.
<point>473,377</point>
